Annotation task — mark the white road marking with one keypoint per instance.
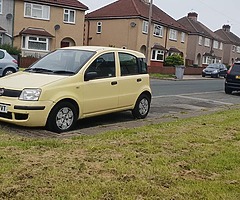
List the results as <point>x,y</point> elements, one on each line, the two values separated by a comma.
<point>195,98</point>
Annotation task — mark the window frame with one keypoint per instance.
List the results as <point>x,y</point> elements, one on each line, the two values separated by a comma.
<point>68,14</point>
<point>1,6</point>
<point>136,62</point>
<point>207,42</point>
<point>42,11</point>
<point>99,27</point>
<point>145,27</point>
<point>215,44</point>
<point>27,38</point>
<point>200,40</point>
<point>173,34</point>
<point>183,36</point>
<point>158,30</point>
<point>155,53</point>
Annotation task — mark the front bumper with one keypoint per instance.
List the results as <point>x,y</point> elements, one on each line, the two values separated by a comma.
<point>25,113</point>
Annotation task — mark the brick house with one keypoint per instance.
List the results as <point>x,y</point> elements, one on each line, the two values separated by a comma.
<point>124,24</point>
<point>231,45</point>
<point>44,25</point>
<point>204,46</point>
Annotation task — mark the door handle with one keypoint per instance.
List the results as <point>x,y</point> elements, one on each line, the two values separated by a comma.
<point>114,83</point>
<point>139,80</point>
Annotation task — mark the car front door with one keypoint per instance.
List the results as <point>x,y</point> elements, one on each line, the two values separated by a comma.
<point>100,85</point>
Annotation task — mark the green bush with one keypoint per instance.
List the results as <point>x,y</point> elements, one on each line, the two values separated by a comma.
<point>11,50</point>
<point>174,60</point>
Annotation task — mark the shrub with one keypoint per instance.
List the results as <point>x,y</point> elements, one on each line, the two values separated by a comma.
<point>174,60</point>
<point>11,50</point>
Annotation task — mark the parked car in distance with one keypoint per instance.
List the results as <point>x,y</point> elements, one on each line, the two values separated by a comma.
<point>8,64</point>
<point>232,80</point>
<point>215,70</point>
<point>73,83</point>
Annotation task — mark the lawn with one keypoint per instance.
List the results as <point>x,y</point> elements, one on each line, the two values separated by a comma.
<point>195,158</point>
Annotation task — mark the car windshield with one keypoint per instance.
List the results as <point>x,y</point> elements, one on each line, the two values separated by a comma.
<point>62,61</point>
<point>213,66</point>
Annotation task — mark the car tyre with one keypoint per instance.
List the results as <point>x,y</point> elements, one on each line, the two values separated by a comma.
<point>8,71</point>
<point>62,117</point>
<point>217,75</point>
<point>141,107</point>
<point>228,91</point>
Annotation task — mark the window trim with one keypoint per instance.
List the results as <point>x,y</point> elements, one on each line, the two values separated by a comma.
<point>215,44</point>
<point>145,27</point>
<point>68,16</point>
<point>25,42</point>
<point>99,27</point>
<point>1,6</point>
<point>207,44</point>
<point>173,34</point>
<point>42,8</point>
<point>183,36</point>
<point>157,52</point>
<point>155,28</point>
<point>200,40</point>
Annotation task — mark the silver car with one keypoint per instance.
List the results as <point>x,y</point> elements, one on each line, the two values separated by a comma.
<point>8,64</point>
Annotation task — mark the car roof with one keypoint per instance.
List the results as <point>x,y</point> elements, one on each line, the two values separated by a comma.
<point>103,49</point>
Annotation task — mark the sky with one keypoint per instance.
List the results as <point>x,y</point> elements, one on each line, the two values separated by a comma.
<point>212,13</point>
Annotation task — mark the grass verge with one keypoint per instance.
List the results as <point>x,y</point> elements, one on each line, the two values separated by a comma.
<point>195,158</point>
<point>161,76</point>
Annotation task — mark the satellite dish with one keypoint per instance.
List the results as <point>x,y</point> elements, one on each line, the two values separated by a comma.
<point>133,24</point>
<point>57,27</point>
<point>9,16</point>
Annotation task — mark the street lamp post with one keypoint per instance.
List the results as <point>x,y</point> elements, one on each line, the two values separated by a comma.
<point>149,29</point>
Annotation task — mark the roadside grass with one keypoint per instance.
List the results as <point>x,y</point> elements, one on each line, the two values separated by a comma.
<point>161,76</point>
<point>196,158</point>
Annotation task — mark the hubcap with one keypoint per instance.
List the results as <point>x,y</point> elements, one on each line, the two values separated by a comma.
<point>143,107</point>
<point>64,118</point>
<point>9,72</point>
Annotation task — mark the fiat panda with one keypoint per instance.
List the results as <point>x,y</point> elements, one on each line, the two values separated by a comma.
<point>74,83</point>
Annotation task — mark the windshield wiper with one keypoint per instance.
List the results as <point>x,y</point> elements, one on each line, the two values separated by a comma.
<point>63,72</point>
<point>38,70</point>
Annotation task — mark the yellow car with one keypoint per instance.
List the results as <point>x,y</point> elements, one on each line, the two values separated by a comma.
<point>73,83</point>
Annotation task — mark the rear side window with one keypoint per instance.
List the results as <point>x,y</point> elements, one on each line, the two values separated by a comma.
<point>236,68</point>
<point>1,54</point>
<point>131,65</point>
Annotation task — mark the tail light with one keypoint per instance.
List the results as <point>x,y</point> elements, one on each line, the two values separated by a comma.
<point>15,61</point>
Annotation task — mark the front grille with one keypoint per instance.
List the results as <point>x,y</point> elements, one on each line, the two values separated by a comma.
<point>7,115</point>
<point>11,93</point>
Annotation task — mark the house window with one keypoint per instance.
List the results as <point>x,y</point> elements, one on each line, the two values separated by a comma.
<point>200,40</point>
<point>35,43</point>
<point>37,11</point>
<point>173,35</point>
<point>157,55</point>
<point>1,38</point>
<point>207,60</point>
<point>1,3</point>
<point>207,42</point>
<point>69,16</point>
<point>158,30</point>
<point>99,27</point>
<point>233,48</point>
<point>221,46</point>
<point>183,37</point>
<point>238,49</point>
<point>215,44</point>
<point>145,27</point>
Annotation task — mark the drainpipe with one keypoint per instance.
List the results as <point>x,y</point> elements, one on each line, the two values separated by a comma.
<point>13,21</point>
<point>149,29</point>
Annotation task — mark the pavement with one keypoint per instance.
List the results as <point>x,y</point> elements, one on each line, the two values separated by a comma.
<point>193,77</point>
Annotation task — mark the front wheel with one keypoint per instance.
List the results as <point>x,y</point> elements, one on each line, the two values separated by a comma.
<point>142,107</point>
<point>228,91</point>
<point>62,117</point>
<point>8,71</point>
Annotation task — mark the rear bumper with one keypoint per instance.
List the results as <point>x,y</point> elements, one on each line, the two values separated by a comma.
<point>232,85</point>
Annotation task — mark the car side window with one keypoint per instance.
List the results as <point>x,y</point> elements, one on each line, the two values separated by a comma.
<point>1,54</point>
<point>102,67</point>
<point>128,64</point>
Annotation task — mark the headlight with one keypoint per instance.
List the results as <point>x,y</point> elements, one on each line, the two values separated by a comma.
<point>215,71</point>
<point>30,94</point>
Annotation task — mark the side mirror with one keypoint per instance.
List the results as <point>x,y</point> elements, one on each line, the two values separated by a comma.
<point>90,76</point>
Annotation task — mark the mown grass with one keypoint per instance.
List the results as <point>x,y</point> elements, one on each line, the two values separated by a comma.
<point>195,158</point>
<point>161,76</point>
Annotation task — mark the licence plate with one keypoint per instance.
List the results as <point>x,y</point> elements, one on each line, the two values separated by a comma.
<point>3,108</point>
<point>237,77</point>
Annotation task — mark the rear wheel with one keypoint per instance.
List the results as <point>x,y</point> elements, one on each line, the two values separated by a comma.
<point>62,117</point>
<point>8,71</point>
<point>228,91</point>
<point>142,107</point>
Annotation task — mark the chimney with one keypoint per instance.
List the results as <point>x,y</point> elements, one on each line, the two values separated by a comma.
<point>193,16</point>
<point>226,28</point>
